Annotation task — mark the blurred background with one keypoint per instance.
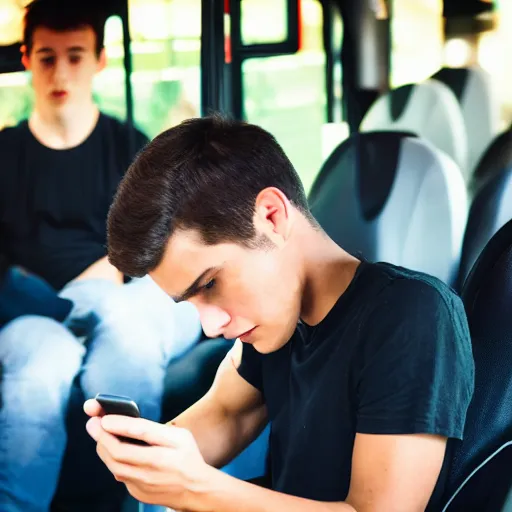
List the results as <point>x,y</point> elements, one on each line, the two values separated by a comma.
<point>298,95</point>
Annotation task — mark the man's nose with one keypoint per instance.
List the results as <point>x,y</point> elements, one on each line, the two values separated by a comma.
<point>214,320</point>
<point>60,72</point>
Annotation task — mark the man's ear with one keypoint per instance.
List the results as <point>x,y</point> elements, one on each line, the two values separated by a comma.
<point>25,59</point>
<point>102,60</point>
<point>273,214</point>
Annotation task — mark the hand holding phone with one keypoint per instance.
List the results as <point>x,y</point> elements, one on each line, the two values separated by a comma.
<point>123,406</point>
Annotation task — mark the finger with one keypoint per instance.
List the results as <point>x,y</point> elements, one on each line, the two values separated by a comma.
<point>149,431</point>
<point>113,453</point>
<point>93,408</point>
<point>123,472</point>
<point>94,428</point>
<point>128,453</point>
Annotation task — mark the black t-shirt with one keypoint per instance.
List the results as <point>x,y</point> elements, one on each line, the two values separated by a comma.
<point>54,203</point>
<point>393,356</point>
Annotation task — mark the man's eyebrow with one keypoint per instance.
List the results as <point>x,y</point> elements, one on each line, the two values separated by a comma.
<point>193,289</point>
<point>72,49</point>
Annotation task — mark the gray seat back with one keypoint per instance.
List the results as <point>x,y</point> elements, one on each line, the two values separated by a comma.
<point>480,107</point>
<point>429,110</point>
<point>392,197</point>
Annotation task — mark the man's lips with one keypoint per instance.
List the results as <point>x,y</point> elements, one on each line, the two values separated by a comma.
<point>245,336</point>
<point>59,94</point>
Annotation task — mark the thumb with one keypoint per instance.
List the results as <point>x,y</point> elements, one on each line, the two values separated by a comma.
<point>93,427</point>
<point>145,430</point>
<point>93,408</point>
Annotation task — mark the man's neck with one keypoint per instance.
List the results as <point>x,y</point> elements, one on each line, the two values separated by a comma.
<point>328,272</point>
<point>66,130</point>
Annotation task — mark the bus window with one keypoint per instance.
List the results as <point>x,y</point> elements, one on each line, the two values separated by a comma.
<point>11,19</point>
<point>493,54</point>
<point>16,98</point>
<point>272,16</point>
<point>15,94</point>
<point>109,93</point>
<point>412,60</point>
<point>286,94</point>
<point>165,48</point>
<point>417,40</point>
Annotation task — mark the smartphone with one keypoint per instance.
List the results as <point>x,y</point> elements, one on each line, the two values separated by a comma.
<point>115,404</point>
<point>122,405</point>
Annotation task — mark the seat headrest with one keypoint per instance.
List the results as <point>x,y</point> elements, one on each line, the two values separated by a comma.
<point>391,197</point>
<point>480,106</point>
<point>375,155</point>
<point>428,109</point>
<point>487,296</point>
<point>455,78</point>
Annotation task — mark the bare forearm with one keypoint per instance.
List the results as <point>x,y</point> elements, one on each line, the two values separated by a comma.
<point>218,437</point>
<point>228,418</point>
<point>227,494</point>
<point>212,433</point>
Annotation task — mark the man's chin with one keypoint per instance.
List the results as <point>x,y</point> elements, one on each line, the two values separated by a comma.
<point>264,347</point>
<point>62,111</point>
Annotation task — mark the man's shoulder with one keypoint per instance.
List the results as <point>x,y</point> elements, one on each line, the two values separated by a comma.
<point>11,134</point>
<point>11,139</point>
<point>405,385</point>
<point>404,286</point>
<point>408,304</point>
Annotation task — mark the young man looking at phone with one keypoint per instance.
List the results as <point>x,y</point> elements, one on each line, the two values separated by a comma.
<point>364,370</point>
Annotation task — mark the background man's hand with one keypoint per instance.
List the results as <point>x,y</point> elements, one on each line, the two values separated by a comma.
<point>167,472</point>
<point>101,269</point>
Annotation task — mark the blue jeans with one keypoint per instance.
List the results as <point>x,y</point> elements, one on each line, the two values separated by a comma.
<point>117,339</point>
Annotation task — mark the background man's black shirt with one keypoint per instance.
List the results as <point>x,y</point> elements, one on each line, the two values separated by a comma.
<point>393,356</point>
<point>54,203</point>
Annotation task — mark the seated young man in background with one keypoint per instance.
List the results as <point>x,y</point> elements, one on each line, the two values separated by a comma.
<point>59,172</point>
<point>364,370</point>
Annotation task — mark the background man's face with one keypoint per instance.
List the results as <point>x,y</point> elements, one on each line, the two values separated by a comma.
<point>63,65</point>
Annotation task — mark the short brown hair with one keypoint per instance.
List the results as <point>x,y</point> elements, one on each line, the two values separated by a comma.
<point>63,15</point>
<point>203,174</point>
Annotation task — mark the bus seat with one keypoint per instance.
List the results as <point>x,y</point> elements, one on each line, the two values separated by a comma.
<point>480,108</point>
<point>479,475</point>
<point>390,196</point>
<point>496,158</point>
<point>490,192</point>
<point>428,109</point>
<point>490,209</point>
